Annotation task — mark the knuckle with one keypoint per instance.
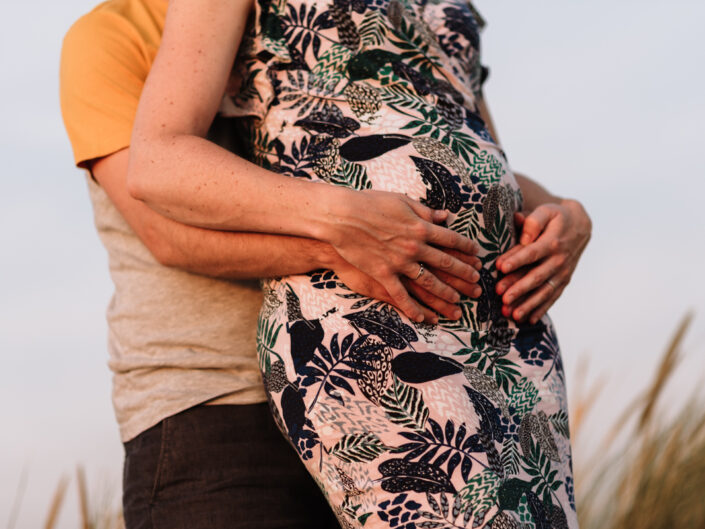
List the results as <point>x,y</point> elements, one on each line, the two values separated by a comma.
<point>445,262</point>
<point>418,230</point>
<point>561,259</point>
<point>411,247</point>
<point>427,281</point>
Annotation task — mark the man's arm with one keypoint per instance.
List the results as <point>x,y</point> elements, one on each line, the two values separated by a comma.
<point>214,253</point>
<point>237,255</point>
<point>554,233</point>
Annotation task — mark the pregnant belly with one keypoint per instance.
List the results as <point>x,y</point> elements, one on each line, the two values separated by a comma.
<point>463,172</point>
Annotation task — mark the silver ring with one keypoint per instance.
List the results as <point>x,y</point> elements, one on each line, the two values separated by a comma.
<point>421,271</point>
<point>552,284</point>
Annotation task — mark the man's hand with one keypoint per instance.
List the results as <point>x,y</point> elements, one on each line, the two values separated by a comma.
<point>553,237</point>
<point>367,286</point>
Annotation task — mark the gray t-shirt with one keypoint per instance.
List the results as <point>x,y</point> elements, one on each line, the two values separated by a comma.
<point>176,339</point>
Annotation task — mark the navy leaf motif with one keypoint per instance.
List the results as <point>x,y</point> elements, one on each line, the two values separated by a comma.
<point>400,476</point>
<point>386,324</point>
<point>490,422</point>
<point>306,336</point>
<point>329,370</point>
<point>417,368</point>
<point>445,190</point>
<point>446,445</point>
<point>364,148</point>
<point>329,120</point>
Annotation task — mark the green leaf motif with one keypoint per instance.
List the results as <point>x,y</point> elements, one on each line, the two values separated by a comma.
<point>480,492</point>
<point>358,448</point>
<point>350,174</point>
<point>372,29</point>
<point>559,420</point>
<point>524,396</point>
<point>404,405</point>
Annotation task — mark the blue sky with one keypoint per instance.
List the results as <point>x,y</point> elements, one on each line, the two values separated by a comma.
<point>601,101</point>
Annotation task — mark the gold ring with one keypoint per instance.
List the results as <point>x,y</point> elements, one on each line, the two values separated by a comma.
<point>421,271</point>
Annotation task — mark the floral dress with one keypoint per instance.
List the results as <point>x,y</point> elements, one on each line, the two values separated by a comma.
<point>462,424</point>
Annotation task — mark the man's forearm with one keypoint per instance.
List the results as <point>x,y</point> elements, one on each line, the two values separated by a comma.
<point>237,255</point>
<point>534,193</point>
<point>203,251</point>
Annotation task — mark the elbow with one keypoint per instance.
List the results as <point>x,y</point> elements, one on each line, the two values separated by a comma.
<point>136,177</point>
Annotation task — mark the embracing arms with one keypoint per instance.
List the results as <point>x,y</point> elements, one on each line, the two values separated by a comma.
<point>182,176</point>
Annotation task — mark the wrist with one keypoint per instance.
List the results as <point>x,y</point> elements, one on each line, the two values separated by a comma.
<point>578,212</point>
<point>323,255</point>
<point>330,204</point>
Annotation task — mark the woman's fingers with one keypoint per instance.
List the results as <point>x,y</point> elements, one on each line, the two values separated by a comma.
<point>451,263</point>
<point>447,238</point>
<point>428,281</point>
<point>440,306</point>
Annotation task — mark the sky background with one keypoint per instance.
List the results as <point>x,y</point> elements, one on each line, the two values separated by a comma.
<point>600,101</point>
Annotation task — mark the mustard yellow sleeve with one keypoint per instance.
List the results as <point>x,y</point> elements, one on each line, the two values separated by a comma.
<point>103,68</point>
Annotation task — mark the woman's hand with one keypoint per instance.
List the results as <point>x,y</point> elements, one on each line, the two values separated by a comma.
<point>553,238</point>
<point>433,305</point>
<point>388,235</point>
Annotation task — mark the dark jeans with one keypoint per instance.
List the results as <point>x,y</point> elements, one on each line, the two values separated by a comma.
<point>218,467</point>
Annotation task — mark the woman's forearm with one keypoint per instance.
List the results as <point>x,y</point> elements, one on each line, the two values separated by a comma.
<point>194,181</point>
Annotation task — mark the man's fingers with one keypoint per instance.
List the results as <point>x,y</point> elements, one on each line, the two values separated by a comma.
<point>402,299</point>
<point>538,313</point>
<point>534,278</point>
<point>534,224</point>
<point>506,256</point>
<point>508,280</point>
<point>536,298</point>
<point>529,254</point>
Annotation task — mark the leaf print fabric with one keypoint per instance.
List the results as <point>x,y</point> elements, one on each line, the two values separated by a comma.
<point>407,425</point>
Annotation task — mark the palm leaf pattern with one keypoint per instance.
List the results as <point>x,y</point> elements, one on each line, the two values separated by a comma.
<point>456,425</point>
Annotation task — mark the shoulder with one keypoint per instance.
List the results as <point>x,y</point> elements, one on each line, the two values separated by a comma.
<point>104,64</point>
<point>98,40</point>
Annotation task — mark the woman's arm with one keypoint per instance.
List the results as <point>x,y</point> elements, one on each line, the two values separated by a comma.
<point>554,233</point>
<point>181,175</point>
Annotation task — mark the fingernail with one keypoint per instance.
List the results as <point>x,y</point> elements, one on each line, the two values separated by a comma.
<point>524,239</point>
<point>500,288</point>
<point>509,299</point>
<point>520,314</point>
<point>419,319</point>
<point>507,267</point>
<point>505,311</point>
<point>434,319</point>
<point>457,313</point>
<point>475,276</point>
<point>478,266</point>
<point>476,292</point>
<point>456,297</point>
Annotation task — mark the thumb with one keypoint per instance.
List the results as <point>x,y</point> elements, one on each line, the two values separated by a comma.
<point>533,224</point>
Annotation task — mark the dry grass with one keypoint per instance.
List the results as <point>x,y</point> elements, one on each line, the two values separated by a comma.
<point>651,475</point>
<point>99,514</point>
